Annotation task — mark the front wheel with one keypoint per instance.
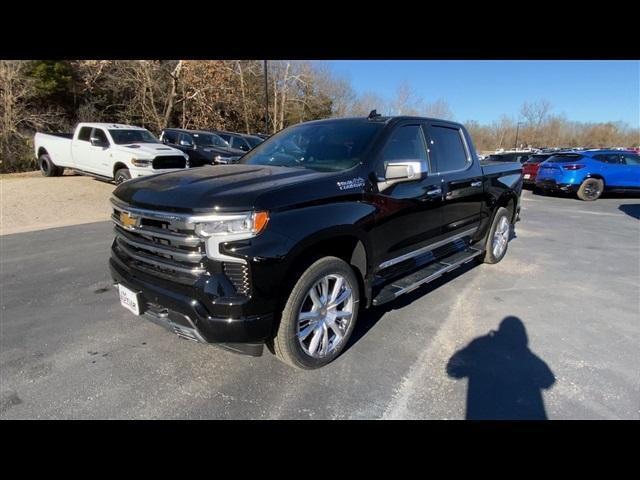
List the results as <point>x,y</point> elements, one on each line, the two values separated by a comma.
<point>122,176</point>
<point>498,238</point>
<point>319,315</point>
<point>590,189</point>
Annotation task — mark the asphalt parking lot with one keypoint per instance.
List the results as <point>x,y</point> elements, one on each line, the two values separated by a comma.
<point>569,289</point>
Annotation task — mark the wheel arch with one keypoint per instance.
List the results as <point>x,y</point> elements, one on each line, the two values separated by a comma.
<point>118,166</point>
<point>597,176</point>
<point>349,246</point>
<point>509,201</point>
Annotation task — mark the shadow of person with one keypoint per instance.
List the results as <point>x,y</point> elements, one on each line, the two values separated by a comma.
<point>505,377</point>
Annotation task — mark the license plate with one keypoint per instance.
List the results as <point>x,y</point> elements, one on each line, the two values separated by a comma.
<point>527,176</point>
<point>129,299</point>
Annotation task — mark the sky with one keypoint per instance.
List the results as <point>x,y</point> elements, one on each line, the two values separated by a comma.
<point>585,91</point>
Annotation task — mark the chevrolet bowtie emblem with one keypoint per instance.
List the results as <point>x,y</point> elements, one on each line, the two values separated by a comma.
<point>127,220</point>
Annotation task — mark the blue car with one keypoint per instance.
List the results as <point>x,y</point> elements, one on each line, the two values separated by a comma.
<point>588,173</point>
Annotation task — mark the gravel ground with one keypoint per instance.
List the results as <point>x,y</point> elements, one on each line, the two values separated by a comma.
<point>569,286</point>
<point>29,201</point>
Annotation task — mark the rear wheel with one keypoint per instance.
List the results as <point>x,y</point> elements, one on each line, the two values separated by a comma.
<point>121,176</point>
<point>591,189</point>
<point>319,315</point>
<point>47,167</point>
<point>498,238</point>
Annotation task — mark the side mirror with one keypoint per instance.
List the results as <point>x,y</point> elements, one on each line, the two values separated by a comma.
<point>400,171</point>
<point>186,143</point>
<point>96,142</point>
<point>403,170</point>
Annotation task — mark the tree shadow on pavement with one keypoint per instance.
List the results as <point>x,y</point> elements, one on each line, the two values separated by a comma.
<point>505,378</point>
<point>631,209</point>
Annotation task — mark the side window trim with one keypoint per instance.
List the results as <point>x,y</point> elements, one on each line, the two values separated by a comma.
<point>467,151</point>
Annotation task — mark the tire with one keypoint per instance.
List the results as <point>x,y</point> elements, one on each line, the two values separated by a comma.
<point>47,167</point>
<point>290,344</point>
<point>122,176</point>
<point>591,189</point>
<point>494,253</point>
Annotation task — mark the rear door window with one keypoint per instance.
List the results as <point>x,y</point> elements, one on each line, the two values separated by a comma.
<point>612,158</point>
<point>447,149</point>
<point>186,138</point>
<point>631,159</point>
<point>85,134</point>
<point>241,144</point>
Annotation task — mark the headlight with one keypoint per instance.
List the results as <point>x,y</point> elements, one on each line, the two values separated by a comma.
<point>221,159</point>
<point>244,225</point>
<point>138,162</point>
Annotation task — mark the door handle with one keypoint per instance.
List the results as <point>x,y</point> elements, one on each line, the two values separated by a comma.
<point>434,192</point>
<point>476,184</point>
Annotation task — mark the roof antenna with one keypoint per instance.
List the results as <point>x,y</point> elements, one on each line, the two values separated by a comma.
<point>373,114</point>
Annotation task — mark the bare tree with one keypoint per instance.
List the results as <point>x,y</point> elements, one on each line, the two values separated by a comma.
<point>534,114</point>
<point>438,109</point>
<point>19,118</point>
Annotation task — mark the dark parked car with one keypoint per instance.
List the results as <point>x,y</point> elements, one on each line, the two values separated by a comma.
<point>240,141</point>
<point>325,219</point>
<point>519,157</point>
<point>203,148</point>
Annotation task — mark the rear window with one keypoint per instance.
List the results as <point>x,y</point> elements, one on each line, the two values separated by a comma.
<point>537,158</point>
<point>565,158</point>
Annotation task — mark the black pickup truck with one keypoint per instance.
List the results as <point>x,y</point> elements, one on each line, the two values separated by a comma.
<point>321,220</point>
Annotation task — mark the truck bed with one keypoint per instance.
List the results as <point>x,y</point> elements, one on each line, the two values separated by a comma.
<point>61,135</point>
<point>492,168</point>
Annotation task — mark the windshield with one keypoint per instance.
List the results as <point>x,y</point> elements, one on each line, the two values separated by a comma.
<point>325,147</point>
<point>122,137</point>
<point>208,140</point>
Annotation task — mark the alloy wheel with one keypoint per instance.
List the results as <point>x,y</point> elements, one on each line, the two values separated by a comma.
<point>325,316</point>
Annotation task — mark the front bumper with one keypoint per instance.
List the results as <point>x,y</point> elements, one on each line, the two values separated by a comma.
<point>184,310</point>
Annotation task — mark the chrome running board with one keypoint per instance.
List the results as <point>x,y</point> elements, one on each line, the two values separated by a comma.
<point>425,275</point>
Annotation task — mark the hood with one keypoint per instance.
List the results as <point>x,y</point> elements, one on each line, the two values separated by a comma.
<point>225,152</point>
<point>212,151</point>
<point>226,187</point>
<point>147,150</point>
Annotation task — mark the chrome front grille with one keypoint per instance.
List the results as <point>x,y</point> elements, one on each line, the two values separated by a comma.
<point>158,243</point>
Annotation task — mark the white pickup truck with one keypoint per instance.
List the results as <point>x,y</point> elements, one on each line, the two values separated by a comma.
<point>106,150</point>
